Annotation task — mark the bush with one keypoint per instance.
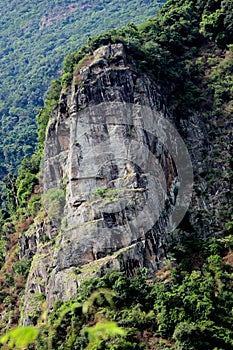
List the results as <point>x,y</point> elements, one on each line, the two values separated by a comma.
<point>53,201</point>
<point>22,267</point>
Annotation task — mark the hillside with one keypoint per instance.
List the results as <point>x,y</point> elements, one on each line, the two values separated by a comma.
<point>35,38</point>
<point>91,254</point>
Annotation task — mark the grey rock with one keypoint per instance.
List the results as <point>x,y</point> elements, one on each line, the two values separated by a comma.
<point>121,182</point>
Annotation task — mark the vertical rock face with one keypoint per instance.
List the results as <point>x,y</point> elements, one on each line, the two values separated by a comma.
<point>100,149</point>
<point>118,177</point>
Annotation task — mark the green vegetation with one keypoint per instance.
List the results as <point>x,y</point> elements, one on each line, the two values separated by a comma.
<point>22,266</point>
<point>177,309</point>
<point>174,47</point>
<point>21,202</point>
<point>20,337</point>
<point>217,21</point>
<point>43,116</point>
<point>53,202</point>
<point>108,193</point>
<point>188,303</point>
<point>180,309</point>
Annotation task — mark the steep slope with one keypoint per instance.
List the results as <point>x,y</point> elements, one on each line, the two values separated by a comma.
<point>35,37</point>
<point>96,183</point>
<point>114,198</point>
<point>114,92</point>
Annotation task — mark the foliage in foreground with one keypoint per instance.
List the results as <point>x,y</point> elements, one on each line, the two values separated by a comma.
<point>189,307</point>
<point>179,309</point>
<point>19,337</point>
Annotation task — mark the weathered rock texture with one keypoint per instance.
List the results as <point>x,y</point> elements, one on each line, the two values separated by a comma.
<point>111,169</point>
<point>120,182</point>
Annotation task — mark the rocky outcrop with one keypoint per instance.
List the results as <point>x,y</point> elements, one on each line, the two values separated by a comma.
<point>112,153</point>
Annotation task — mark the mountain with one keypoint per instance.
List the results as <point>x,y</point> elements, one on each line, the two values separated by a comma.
<point>119,228</point>
<point>35,38</point>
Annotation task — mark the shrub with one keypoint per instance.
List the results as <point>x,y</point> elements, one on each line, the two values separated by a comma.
<point>53,201</point>
<point>22,267</point>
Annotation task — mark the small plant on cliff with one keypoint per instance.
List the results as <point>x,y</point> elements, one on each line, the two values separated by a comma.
<point>22,266</point>
<point>53,201</point>
<point>101,191</point>
<point>109,193</point>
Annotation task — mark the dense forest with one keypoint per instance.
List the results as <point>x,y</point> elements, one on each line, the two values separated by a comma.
<point>188,303</point>
<point>35,38</point>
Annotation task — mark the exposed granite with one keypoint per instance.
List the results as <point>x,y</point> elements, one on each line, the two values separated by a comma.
<point>117,203</point>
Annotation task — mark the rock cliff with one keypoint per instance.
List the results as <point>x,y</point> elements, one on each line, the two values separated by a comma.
<point>111,178</point>
<point>95,152</point>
